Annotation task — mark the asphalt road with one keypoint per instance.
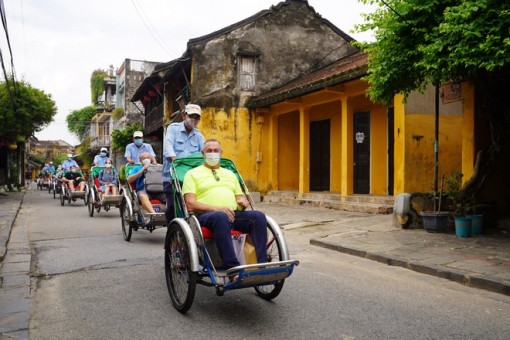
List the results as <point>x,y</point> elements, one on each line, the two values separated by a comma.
<point>88,283</point>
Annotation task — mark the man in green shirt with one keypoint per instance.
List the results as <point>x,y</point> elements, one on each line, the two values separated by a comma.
<point>214,193</point>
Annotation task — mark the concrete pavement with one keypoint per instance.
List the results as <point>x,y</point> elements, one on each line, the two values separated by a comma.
<point>482,261</point>
<point>15,257</point>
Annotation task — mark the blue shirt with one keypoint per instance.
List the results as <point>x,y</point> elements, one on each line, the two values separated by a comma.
<point>50,168</point>
<point>139,183</point>
<point>66,165</point>
<point>107,176</point>
<point>179,144</point>
<point>100,160</point>
<point>134,152</point>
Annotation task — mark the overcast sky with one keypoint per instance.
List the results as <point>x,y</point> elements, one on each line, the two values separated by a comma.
<point>58,43</point>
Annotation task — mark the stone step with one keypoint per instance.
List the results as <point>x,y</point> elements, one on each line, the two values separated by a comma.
<point>324,201</point>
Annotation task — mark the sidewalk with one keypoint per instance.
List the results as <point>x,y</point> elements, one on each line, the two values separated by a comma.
<point>15,259</point>
<point>482,261</point>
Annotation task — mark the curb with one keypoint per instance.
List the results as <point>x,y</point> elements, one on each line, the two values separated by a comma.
<point>467,279</point>
<point>5,232</point>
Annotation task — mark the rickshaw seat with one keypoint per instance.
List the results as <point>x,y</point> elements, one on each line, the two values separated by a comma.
<point>209,235</point>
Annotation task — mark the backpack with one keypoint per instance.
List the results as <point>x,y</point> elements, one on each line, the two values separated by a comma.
<point>154,180</point>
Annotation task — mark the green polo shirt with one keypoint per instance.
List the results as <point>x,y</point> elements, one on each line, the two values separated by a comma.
<point>208,190</point>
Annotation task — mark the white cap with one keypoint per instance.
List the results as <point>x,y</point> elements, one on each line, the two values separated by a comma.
<point>104,149</point>
<point>193,109</point>
<point>69,155</point>
<point>138,134</point>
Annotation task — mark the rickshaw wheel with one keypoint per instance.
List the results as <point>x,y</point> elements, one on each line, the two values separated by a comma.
<point>274,253</point>
<point>180,280</point>
<point>90,205</point>
<point>86,197</point>
<point>62,200</point>
<point>54,192</point>
<point>127,231</point>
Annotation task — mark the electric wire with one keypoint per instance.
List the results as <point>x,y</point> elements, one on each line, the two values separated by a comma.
<point>4,24</point>
<point>147,24</point>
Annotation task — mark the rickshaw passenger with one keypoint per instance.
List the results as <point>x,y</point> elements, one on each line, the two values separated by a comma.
<point>136,175</point>
<point>59,173</point>
<point>215,194</point>
<point>108,179</point>
<point>74,179</point>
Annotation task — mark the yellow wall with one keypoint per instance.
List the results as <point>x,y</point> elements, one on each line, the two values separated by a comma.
<point>379,150</point>
<point>241,135</point>
<point>270,147</point>
<point>468,131</point>
<point>288,151</point>
<point>399,145</point>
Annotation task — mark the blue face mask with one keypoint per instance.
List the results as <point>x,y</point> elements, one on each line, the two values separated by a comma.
<point>69,158</point>
<point>103,154</point>
<point>138,142</point>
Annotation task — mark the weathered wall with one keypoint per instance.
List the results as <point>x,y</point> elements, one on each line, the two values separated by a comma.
<point>239,135</point>
<point>289,41</point>
<point>415,137</point>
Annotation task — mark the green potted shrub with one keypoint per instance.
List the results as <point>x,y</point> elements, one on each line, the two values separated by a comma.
<point>459,206</point>
<point>462,220</point>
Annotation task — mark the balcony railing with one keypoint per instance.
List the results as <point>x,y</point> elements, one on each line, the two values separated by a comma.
<point>100,141</point>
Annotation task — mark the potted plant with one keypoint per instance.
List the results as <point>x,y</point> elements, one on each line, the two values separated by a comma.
<point>462,206</point>
<point>462,220</point>
<point>436,220</point>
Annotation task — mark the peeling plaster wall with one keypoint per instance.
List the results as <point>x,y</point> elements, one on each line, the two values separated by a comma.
<point>289,41</point>
<point>419,140</point>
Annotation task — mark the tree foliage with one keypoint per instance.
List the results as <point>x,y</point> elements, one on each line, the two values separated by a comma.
<point>435,41</point>
<point>24,110</point>
<point>421,42</point>
<point>78,122</point>
<point>121,138</point>
<point>96,84</point>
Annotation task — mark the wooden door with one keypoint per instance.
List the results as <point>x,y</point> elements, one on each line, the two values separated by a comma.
<point>320,155</point>
<point>362,152</point>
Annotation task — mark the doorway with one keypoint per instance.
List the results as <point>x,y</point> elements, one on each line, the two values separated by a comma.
<point>320,155</point>
<point>361,155</point>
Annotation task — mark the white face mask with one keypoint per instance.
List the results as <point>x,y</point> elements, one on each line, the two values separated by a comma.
<point>191,123</point>
<point>212,158</point>
<point>108,165</point>
<point>146,161</point>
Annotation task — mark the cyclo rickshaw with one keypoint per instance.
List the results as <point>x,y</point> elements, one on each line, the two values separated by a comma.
<point>191,255</point>
<point>67,195</point>
<point>55,185</point>
<point>94,199</point>
<point>132,214</point>
<point>44,179</point>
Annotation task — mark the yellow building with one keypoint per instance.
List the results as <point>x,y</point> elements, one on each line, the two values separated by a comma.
<point>294,116</point>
